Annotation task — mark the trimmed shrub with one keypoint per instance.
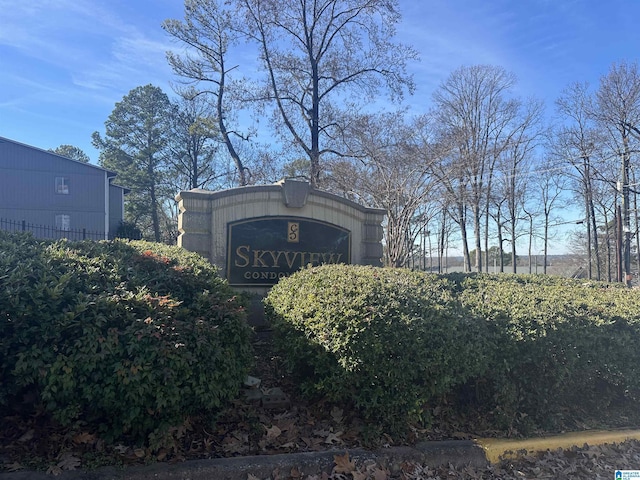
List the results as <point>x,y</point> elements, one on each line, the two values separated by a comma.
<point>567,349</point>
<point>524,352</point>
<point>386,341</point>
<point>128,337</point>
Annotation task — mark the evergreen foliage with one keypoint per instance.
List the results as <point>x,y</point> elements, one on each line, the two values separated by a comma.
<point>523,352</point>
<point>129,338</point>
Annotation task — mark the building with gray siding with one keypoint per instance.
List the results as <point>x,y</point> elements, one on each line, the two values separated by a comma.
<point>38,187</point>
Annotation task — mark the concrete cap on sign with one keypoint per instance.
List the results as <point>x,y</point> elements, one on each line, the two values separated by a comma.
<point>295,192</point>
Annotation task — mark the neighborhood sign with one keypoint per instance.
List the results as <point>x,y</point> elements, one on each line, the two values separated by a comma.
<point>263,250</point>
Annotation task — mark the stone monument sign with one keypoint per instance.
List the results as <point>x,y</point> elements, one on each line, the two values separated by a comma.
<point>257,235</point>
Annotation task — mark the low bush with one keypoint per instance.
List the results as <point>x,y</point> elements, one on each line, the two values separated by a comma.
<point>524,352</point>
<point>386,341</point>
<point>127,337</point>
<point>566,349</point>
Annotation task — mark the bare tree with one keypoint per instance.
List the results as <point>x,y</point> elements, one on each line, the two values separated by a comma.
<point>390,170</point>
<point>498,202</point>
<point>474,110</point>
<point>604,199</point>
<point>318,55</point>
<point>550,185</point>
<point>618,111</point>
<point>454,185</point>
<point>207,33</point>
<point>515,167</point>
<point>576,143</point>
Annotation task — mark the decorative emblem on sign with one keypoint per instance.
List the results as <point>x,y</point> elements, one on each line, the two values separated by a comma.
<point>293,232</point>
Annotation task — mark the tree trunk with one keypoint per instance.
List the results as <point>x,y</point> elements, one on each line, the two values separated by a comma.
<point>478,237</point>
<point>596,247</point>
<point>441,240</point>
<point>588,223</point>
<point>154,213</point>
<point>501,250</point>
<point>530,243</point>
<point>637,232</point>
<point>546,242</point>
<point>242,177</point>
<point>463,234</point>
<point>607,240</point>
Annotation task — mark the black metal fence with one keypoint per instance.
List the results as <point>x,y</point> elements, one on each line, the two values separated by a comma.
<point>49,232</point>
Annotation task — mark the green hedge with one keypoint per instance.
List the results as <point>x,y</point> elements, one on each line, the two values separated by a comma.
<point>567,349</point>
<point>387,341</point>
<point>524,352</point>
<point>127,337</point>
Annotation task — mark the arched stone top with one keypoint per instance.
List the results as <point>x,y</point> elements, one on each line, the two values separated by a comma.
<point>290,190</point>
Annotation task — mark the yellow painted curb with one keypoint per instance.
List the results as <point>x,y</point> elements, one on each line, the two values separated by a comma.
<point>496,449</point>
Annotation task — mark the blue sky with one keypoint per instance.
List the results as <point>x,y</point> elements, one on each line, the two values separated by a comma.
<point>65,63</point>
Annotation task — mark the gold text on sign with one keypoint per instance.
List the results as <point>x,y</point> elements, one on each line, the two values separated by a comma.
<point>246,257</point>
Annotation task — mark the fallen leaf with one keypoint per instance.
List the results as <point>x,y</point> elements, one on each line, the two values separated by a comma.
<point>84,437</point>
<point>273,433</point>
<point>379,474</point>
<point>13,467</point>
<point>336,414</point>
<point>343,464</point>
<point>231,444</point>
<point>252,477</point>
<point>68,461</point>
<point>122,449</point>
<point>54,470</point>
<point>333,438</point>
<point>26,436</point>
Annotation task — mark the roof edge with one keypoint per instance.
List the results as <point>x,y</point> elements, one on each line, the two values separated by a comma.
<point>110,173</point>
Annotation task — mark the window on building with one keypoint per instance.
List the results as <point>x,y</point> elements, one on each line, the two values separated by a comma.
<point>62,185</point>
<point>63,222</point>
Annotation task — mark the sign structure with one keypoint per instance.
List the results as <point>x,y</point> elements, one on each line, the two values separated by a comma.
<point>261,251</point>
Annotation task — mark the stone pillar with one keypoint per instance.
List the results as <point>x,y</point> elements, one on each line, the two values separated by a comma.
<point>194,222</point>
<point>372,233</point>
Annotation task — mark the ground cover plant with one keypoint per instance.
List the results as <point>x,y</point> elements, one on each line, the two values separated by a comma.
<point>125,338</point>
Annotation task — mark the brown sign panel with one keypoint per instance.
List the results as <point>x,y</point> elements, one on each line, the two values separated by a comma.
<point>260,251</point>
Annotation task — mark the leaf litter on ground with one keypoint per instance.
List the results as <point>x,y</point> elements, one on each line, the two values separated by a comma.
<point>36,442</point>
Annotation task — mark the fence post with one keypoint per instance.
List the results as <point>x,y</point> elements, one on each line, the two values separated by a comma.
<point>84,233</point>
<point>24,225</point>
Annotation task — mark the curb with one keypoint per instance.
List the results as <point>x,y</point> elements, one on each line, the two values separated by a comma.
<point>496,449</point>
<point>455,452</point>
<point>459,453</point>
